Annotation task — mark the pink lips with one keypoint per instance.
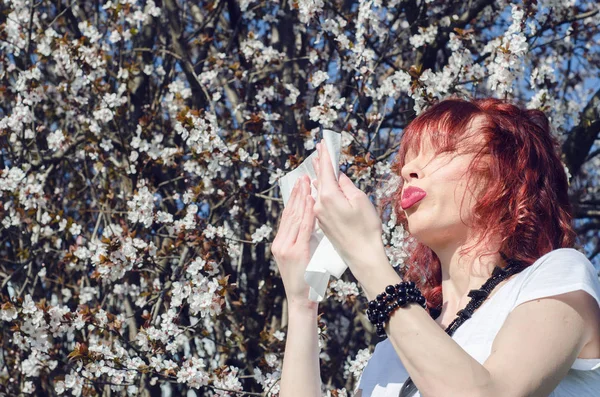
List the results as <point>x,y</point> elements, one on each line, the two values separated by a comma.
<point>411,196</point>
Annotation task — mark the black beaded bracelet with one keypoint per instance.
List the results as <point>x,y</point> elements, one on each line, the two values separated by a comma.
<point>395,296</point>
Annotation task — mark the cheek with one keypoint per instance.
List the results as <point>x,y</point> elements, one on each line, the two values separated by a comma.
<point>451,187</point>
<point>457,197</point>
<point>465,201</point>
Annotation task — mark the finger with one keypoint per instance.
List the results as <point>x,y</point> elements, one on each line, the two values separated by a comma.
<point>308,220</point>
<point>298,212</point>
<point>292,200</point>
<point>288,211</point>
<point>347,186</point>
<point>326,176</point>
<point>315,162</point>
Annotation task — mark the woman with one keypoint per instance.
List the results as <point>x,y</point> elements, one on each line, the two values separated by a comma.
<point>482,189</point>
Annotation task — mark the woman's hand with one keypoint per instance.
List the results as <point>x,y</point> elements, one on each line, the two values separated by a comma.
<point>291,248</point>
<point>348,218</point>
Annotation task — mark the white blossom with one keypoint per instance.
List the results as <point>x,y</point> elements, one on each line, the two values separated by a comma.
<point>8,312</point>
<point>292,97</point>
<point>506,65</point>
<point>355,367</point>
<point>426,35</point>
<point>279,335</point>
<point>75,229</point>
<point>318,77</point>
<point>341,290</point>
<point>229,381</point>
<point>141,207</point>
<point>56,140</point>
<point>309,9</point>
<point>261,233</point>
<point>265,94</point>
<point>11,178</point>
<point>259,54</point>
<point>192,373</point>
<point>152,9</point>
<point>329,100</point>
<point>394,85</point>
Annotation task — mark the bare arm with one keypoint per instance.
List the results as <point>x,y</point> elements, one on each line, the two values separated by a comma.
<point>300,375</point>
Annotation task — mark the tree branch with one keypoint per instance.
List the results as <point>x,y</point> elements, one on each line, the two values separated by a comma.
<point>581,138</point>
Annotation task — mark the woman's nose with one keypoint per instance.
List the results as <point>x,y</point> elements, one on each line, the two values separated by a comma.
<point>410,172</point>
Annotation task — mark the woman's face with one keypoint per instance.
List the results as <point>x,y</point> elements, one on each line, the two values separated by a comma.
<point>437,219</point>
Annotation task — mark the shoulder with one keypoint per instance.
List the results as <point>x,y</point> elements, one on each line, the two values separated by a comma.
<point>551,321</point>
<point>564,275</point>
<point>539,342</point>
<point>559,271</point>
<point>562,258</point>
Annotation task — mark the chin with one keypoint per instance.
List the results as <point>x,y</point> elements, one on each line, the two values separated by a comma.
<point>430,232</point>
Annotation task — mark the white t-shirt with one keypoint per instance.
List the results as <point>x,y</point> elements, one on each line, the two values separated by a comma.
<point>557,272</point>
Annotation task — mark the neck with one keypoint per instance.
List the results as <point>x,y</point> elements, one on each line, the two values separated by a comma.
<point>460,274</point>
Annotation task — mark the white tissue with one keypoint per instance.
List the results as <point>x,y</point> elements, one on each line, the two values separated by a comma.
<point>324,261</point>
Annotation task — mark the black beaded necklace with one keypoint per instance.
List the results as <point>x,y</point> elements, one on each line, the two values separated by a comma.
<point>478,296</point>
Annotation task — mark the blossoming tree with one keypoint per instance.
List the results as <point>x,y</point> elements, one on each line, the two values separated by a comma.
<point>141,144</point>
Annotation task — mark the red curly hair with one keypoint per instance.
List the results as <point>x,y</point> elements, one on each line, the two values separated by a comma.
<point>524,200</point>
